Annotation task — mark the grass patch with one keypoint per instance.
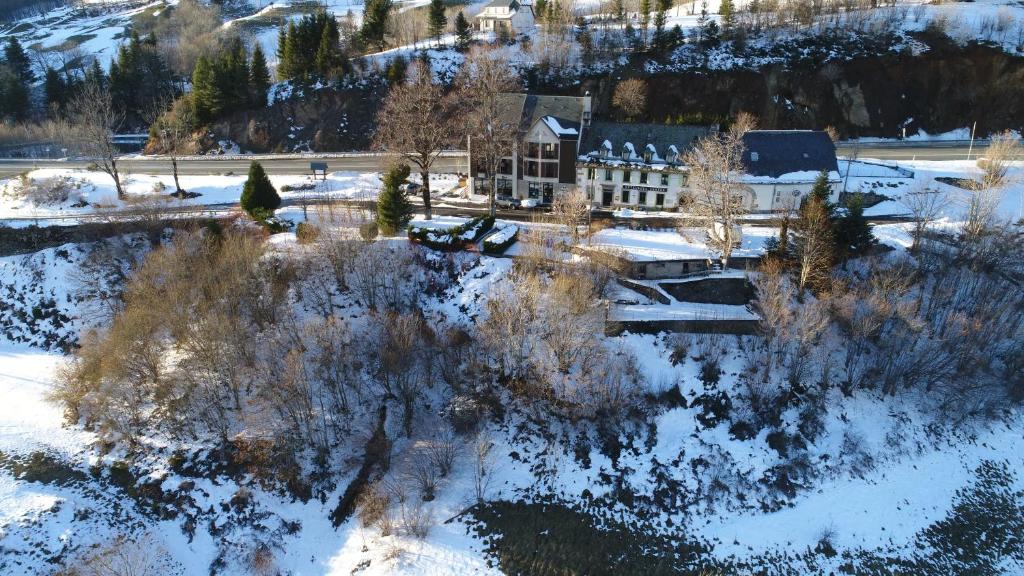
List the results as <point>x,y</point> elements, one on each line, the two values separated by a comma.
<point>71,42</point>
<point>552,539</point>
<point>42,468</point>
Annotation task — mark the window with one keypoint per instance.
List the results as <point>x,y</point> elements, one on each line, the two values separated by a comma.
<point>648,155</point>
<point>534,190</point>
<point>625,152</point>
<point>607,175</point>
<point>532,150</point>
<point>549,151</point>
<point>590,173</point>
<point>672,157</point>
<point>641,198</point>
<point>505,166</point>
<point>533,168</point>
<point>664,179</point>
<point>626,175</point>
<point>643,177</point>
<point>659,199</point>
<point>504,187</point>
<point>625,197</point>
<point>753,156</point>
<point>549,170</point>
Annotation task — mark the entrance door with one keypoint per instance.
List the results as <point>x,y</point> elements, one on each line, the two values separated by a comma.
<point>606,197</point>
<point>549,193</point>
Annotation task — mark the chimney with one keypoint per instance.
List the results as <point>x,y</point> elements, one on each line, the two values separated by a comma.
<point>585,121</point>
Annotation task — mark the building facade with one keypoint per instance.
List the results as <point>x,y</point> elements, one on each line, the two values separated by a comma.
<point>507,15</point>
<point>640,166</point>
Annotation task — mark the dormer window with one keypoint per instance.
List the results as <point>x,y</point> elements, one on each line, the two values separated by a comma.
<point>753,156</point>
<point>625,152</point>
<point>672,157</point>
<point>604,152</point>
<point>648,155</point>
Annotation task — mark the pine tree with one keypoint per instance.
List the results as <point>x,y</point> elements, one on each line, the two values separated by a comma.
<point>645,21</point>
<point>14,96</point>
<point>204,90</point>
<point>540,9</point>
<point>727,10</point>
<point>393,209</point>
<point>619,10</point>
<point>17,60</point>
<point>814,244</point>
<point>55,88</point>
<point>463,32</point>
<point>396,70</point>
<point>375,22</point>
<point>822,190</point>
<point>282,52</point>
<point>259,197</point>
<point>852,231</point>
<point>259,77</point>
<point>436,20</point>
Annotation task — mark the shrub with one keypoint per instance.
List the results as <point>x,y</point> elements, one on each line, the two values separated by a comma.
<point>368,231</point>
<point>259,194</point>
<point>500,241</point>
<point>306,233</point>
<point>456,238</point>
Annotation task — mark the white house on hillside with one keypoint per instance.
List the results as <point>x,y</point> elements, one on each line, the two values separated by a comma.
<point>509,15</point>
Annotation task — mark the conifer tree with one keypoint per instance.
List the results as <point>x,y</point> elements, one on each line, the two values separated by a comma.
<point>393,209</point>
<point>375,22</point>
<point>396,70</point>
<point>814,244</point>
<point>14,96</point>
<point>55,88</point>
<point>204,90</point>
<point>727,10</point>
<point>282,52</point>
<point>259,197</point>
<point>436,20</point>
<point>463,32</point>
<point>645,20</point>
<point>17,60</point>
<point>852,231</point>
<point>259,77</point>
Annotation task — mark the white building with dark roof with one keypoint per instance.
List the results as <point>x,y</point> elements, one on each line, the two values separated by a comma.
<point>636,165</point>
<point>509,15</point>
<point>640,166</point>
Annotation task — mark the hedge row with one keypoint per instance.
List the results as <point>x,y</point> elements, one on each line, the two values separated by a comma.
<point>498,242</point>
<point>455,238</point>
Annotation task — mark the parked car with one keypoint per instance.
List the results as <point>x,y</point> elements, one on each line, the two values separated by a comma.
<point>507,202</point>
<point>409,187</point>
<point>530,203</point>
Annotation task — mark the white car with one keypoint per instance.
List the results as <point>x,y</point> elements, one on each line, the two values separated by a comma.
<point>530,203</point>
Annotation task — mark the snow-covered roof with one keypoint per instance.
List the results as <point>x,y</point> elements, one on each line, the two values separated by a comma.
<point>660,139</point>
<point>555,126</point>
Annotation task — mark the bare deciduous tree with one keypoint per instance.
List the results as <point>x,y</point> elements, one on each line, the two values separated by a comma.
<point>417,121</point>
<point>630,96</point>
<point>572,209</point>
<point>172,126</point>
<point>716,164</point>
<point>925,205</point>
<point>95,120</point>
<point>494,133</point>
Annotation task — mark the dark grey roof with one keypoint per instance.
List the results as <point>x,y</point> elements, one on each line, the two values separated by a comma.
<point>662,136</point>
<point>501,3</point>
<point>780,152</point>
<point>527,109</point>
<point>566,109</point>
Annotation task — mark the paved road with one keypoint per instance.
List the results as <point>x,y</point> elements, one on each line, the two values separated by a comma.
<point>291,164</point>
<point>213,165</point>
<point>929,152</point>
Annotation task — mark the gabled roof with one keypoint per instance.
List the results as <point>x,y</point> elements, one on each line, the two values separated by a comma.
<point>664,138</point>
<point>776,152</point>
<point>501,4</point>
<point>528,109</point>
<point>562,128</point>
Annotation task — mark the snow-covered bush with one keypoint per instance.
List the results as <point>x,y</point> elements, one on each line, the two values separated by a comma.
<point>455,238</point>
<point>498,242</point>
